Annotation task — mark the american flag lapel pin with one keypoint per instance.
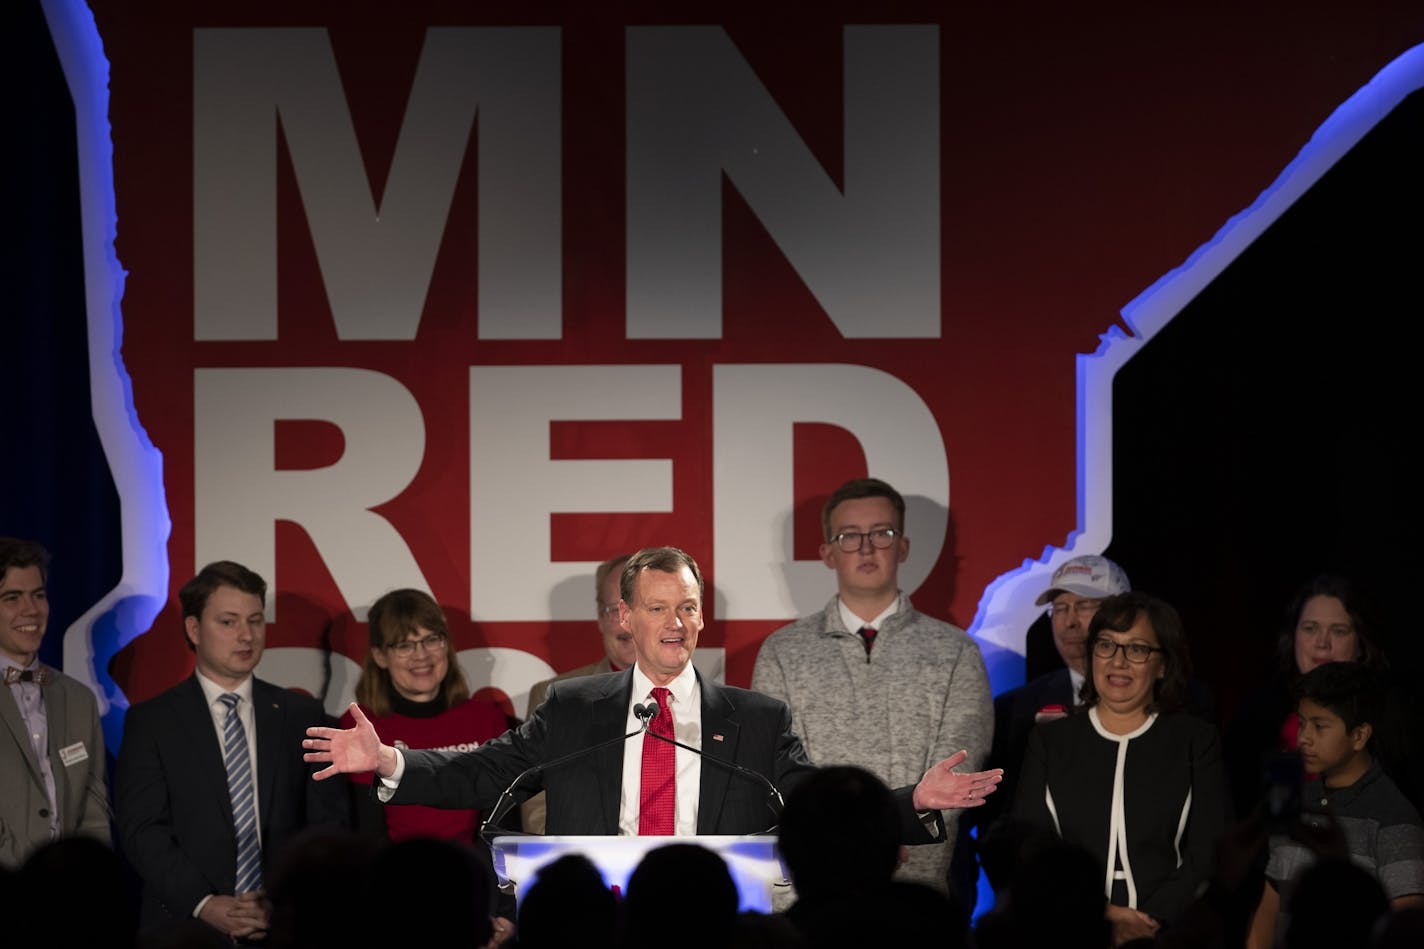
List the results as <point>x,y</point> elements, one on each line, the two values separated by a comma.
<point>717,737</point>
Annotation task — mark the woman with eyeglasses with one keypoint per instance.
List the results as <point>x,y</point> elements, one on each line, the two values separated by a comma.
<point>416,696</point>
<point>1131,776</point>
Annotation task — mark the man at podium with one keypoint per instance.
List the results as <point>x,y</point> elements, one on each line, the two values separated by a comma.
<point>712,759</point>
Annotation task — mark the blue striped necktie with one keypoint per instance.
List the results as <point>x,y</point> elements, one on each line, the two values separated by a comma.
<point>240,788</point>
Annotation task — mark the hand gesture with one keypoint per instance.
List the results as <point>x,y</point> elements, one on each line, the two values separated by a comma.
<point>943,787</point>
<point>356,749</point>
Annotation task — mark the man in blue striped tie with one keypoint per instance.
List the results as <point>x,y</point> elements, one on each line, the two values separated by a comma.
<point>209,783</point>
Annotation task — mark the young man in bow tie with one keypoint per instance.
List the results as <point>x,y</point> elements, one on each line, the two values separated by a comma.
<point>51,746</point>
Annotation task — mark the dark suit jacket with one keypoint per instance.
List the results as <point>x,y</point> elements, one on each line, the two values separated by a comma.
<point>738,726</point>
<point>171,798</point>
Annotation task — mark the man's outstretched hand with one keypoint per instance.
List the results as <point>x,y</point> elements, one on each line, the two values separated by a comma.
<point>348,750</point>
<point>943,787</point>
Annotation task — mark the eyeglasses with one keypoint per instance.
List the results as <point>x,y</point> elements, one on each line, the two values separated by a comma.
<point>1083,609</point>
<point>608,610</point>
<point>433,644</point>
<point>881,539</point>
<point>1137,653</point>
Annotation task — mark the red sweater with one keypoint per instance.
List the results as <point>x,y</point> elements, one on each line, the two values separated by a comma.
<point>462,728</point>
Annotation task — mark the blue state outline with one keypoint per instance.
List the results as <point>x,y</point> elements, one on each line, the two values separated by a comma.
<point>136,465</point>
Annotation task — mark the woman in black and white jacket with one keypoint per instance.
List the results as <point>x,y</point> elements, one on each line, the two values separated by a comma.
<point>1131,777</point>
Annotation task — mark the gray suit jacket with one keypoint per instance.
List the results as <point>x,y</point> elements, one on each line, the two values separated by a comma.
<point>73,717</point>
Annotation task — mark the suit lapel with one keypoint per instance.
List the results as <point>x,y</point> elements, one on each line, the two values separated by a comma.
<point>720,734</point>
<point>15,723</point>
<point>268,710</point>
<point>609,714</point>
<point>195,719</point>
<point>57,725</point>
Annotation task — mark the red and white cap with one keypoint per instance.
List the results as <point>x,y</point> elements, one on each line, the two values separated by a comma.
<point>1092,576</point>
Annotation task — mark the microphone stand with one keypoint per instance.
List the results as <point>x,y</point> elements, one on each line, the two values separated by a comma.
<point>772,793</point>
<point>505,803</point>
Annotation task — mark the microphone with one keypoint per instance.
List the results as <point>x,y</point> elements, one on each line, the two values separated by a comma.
<point>772,793</point>
<point>505,802</point>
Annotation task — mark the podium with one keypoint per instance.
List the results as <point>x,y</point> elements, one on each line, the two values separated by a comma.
<point>753,860</point>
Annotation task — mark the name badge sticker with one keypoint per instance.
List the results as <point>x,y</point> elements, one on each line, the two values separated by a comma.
<point>71,755</point>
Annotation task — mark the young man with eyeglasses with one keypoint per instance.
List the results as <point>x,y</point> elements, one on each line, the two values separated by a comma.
<point>210,783</point>
<point>870,680</point>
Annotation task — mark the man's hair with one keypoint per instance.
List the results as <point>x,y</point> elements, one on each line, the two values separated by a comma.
<point>1328,584</point>
<point>661,559</point>
<point>15,552</point>
<point>1349,689</point>
<point>600,576</point>
<point>856,489</point>
<point>221,573</point>
<point>392,618</point>
<point>1118,613</point>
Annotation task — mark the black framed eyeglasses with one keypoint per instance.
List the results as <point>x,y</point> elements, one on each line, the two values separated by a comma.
<point>881,538</point>
<point>1136,653</point>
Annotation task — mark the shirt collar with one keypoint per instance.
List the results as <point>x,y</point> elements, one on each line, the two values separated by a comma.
<point>681,688</point>
<point>853,623</point>
<point>7,663</point>
<point>211,690</point>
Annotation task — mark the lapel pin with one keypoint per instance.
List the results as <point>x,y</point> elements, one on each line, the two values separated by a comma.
<point>716,737</point>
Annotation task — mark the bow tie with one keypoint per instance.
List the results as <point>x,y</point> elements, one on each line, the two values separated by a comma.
<point>37,676</point>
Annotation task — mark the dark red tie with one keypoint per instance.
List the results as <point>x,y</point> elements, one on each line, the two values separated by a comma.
<point>658,796</point>
<point>867,636</point>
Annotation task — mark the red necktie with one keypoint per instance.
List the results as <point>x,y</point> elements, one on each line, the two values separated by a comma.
<point>658,795</point>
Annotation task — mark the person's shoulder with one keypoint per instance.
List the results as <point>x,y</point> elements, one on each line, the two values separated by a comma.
<point>75,692</point>
<point>585,688</point>
<point>926,622</point>
<point>1182,721</point>
<point>1033,694</point>
<point>926,630</point>
<point>164,702</point>
<point>803,629</point>
<point>745,698</point>
<point>290,699</point>
<point>1389,805</point>
<point>597,667</point>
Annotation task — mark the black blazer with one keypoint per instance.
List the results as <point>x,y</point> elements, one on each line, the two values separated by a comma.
<point>171,798</point>
<point>738,726</point>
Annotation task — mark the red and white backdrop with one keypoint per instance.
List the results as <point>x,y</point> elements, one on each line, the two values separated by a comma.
<point>469,296</point>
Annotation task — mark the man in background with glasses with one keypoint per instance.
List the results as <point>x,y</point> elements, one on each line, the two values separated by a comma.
<point>210,782</point>
<point>870,680</point>
<point>618,654</point>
